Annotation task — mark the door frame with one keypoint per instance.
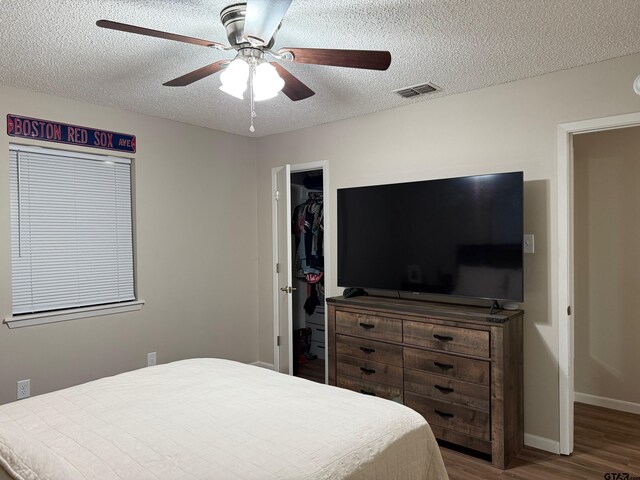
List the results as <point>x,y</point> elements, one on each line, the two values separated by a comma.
<point>565,277</point>
<point>328,274</point>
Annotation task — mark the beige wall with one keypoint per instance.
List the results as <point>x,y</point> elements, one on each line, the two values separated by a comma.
<point>196,246</point>
<point>206,277</point>
<point>503,128</point>
<point>607,264</point>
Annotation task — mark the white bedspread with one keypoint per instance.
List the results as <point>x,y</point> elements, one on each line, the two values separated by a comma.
<point>213,419</point>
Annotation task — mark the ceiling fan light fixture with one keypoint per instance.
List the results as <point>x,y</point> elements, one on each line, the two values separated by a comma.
<point>234,78</point>
<point>234,91</point>
<point>266,83</point>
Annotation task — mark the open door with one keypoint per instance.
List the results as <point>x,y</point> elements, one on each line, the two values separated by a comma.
<point>283,268</point>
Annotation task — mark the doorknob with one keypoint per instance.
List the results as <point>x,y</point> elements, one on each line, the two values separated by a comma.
<point>288,289</point>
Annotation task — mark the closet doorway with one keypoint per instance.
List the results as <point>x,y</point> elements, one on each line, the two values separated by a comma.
<point>301,261</point>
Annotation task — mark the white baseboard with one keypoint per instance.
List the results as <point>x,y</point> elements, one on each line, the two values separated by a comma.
<point>269,366</point>
<point>542,443</point>
<point>611,403</point>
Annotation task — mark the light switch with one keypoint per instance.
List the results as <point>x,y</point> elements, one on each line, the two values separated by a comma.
<point>528,243</point>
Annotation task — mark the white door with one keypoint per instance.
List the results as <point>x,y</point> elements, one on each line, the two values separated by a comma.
<point>284,276</point>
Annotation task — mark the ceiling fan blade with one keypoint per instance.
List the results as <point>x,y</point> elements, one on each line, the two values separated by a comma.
<point>262,19</point>
<point>367,59</point>
<point>123,27</point>
<point>196,75</point>
<point>293,87</point>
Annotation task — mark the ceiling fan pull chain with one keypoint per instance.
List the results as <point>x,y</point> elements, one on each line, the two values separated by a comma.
<point>252,73</point>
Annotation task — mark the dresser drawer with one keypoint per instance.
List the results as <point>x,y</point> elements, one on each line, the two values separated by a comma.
<point>368,388</point>
<point>318,349</point>
<point>369,371</point>
<point>370,326</point>
<point>467,421</point>
<point>466,369</point>
<point>447,389</point>
<point>314,320</point>
<point>369,350</point>
<point>317,332</point>
<point>450,339</point>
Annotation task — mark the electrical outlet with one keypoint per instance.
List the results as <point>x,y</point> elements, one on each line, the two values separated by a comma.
<point>151,359</point>
<point>24,389</point>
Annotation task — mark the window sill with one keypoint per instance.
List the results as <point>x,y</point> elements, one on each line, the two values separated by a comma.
<point>29,320</point>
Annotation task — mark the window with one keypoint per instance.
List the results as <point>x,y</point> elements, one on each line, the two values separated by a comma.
<point>71,231</point>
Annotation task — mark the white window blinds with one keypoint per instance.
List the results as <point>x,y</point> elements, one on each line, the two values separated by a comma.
<point>71,230</point>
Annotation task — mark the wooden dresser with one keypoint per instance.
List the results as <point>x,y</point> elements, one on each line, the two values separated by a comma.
<point>458,366</point>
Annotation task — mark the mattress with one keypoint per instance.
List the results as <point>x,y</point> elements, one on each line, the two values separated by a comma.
<point>213,419</point>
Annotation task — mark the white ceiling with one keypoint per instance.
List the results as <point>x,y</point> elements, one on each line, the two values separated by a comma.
<point>460,45</point>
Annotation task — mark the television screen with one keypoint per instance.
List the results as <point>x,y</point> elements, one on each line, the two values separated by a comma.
<point>454,236</point>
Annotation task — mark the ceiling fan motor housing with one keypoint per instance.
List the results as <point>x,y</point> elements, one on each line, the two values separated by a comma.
<point>232,17</point>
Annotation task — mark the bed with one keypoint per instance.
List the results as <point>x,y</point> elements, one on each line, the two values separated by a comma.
<point>213,419</point>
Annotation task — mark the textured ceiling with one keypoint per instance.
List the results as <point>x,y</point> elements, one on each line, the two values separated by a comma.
<point>460,45</point>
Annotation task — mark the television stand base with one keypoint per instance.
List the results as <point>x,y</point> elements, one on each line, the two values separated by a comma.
<point>353,292</point>
<point>495,306</point>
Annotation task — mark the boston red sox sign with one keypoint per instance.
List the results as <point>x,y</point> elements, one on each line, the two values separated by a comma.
<point>48,131</point>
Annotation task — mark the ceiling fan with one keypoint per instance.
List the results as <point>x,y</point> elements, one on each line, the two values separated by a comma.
<point>251,28</point>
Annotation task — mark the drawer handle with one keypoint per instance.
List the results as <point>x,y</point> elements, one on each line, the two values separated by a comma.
<point>367,371</point>
<point>442,338</point>
<point>444,414</point>
<point>367,392</point>
<point>367,326</point>
<point>443,389</point>
<point>443,366</point>
<point>367,350</point>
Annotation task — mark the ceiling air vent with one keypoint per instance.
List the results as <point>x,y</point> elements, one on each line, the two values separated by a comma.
<point>416,90</point>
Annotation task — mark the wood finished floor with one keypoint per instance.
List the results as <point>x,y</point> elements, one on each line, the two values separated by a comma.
<point>312,370</point>
<point>604,441</point>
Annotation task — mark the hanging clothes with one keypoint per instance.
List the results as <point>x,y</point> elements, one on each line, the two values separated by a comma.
<point>307,226</point>
<point>308,229</point>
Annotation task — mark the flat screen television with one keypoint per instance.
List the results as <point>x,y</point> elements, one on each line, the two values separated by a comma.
<point>454,236</point>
